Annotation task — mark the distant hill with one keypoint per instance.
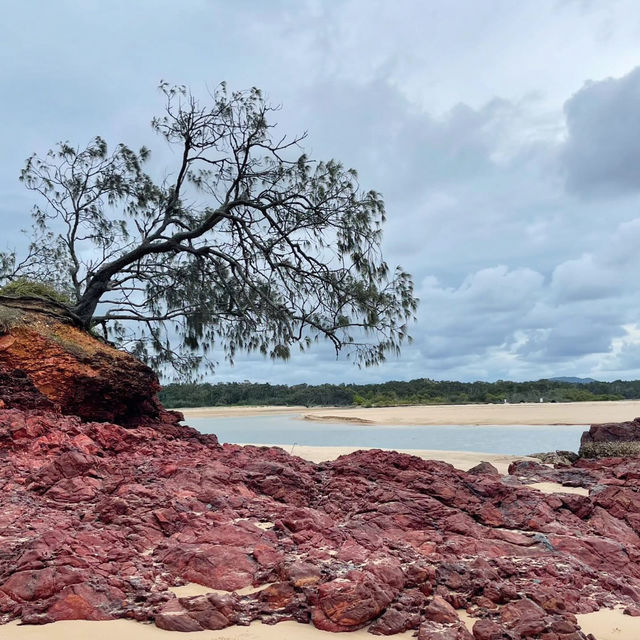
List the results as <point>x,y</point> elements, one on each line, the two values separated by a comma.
<point>573,380</point>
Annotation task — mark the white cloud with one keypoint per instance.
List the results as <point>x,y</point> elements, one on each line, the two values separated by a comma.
<point>454,111</point>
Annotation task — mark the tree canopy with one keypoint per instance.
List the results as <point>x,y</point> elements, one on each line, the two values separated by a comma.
<point>395,393</point>
<point>244,244</point>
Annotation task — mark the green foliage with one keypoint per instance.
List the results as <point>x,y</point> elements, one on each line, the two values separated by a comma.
<point>394,393</point>
<point>9,318</point>
<point>24,287</point>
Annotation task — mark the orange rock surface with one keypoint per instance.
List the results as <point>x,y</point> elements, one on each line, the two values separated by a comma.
<point>78,373</point>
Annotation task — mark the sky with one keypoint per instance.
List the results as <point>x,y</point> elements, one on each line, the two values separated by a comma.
<point>504,136</point>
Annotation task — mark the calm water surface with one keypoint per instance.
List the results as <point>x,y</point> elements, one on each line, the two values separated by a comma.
<point>288,429</point>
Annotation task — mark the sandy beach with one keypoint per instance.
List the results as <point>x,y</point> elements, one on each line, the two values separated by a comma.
<point>606,624</point>
<point>479,414</point>
<point>487,414</point>
<point>239,411</point>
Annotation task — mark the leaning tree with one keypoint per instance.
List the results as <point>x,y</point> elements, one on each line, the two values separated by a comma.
<point>244,244</point>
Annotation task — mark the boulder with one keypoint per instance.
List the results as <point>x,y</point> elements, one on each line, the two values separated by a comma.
<point>484,468</point>
<point>611,439</point>
<point>435,631</point>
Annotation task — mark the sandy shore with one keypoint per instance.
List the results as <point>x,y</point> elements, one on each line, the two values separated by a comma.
<point>606,624</point>
<point>129,630</point>
<point>480,414</point>
<point>238,412</point>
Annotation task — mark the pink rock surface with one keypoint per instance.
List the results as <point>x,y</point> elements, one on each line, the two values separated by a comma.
<point>98,520</point>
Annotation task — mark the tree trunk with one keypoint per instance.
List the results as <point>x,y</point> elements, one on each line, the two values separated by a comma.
<point>85,308</point>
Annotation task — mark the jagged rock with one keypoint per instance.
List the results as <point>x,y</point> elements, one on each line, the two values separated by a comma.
<point>98,520</point>
<point>484,468</point>
<point>562,458</point>
<point>349,603</point>
<point>439,610</point>
<point>435,631</point>
<point>569,476</point>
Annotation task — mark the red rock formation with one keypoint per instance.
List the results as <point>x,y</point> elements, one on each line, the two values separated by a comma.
<point>76,372</point>
<point>611,439</point>
<point>98,520</point>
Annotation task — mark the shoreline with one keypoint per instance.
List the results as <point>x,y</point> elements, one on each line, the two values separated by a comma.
<point>567,413</point>
<point>605,624</point>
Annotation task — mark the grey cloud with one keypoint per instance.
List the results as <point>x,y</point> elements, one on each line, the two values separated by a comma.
<point>518,278</point>
<point>601,155</point>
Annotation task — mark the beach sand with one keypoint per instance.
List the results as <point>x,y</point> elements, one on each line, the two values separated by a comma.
<point>239,411</point>
<point>606,624</point>
<point>487,414</point>
<point>479,414</point>
<point>129,630</point>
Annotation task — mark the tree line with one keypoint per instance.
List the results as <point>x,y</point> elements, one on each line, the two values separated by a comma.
<point>394,393</point>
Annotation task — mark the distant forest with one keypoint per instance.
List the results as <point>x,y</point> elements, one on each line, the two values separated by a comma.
<point>394,393</point>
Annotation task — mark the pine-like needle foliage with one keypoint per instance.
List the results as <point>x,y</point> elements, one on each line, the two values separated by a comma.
<point>248,245</point>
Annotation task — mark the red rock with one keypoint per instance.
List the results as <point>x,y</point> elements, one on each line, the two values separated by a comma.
<point>404,613</point>
<point>40,584</point>
<point>439,610</point>
<point>213,611</point>
<point>78,489</point>
<point>215,566</point>
<point>303,574</point>
<point>174,617</point>
<point>485,629</point>
<point>97,520</point>
<point>484,468</point>
<point>594,442</point>
<point>434,631</point>
<point>83,602</point>
<point>347,605</point>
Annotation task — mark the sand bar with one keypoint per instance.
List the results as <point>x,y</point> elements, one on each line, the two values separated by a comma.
<point>489,414</point>
<point>543,413</point>
<point>240,411</point>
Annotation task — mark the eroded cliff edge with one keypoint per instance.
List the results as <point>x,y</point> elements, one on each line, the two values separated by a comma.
<point>106,501</point>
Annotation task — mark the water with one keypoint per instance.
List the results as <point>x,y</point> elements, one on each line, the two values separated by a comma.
<point>287,429</point>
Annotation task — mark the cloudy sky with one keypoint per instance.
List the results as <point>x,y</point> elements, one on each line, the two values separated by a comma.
<point>505,137</point>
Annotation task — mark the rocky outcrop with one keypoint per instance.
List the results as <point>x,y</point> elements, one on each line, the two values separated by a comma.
<point>75,372</point>
<point>100,520</point>
<point>611,439</point>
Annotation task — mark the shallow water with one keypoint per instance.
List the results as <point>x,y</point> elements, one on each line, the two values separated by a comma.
<point>287,429</point>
